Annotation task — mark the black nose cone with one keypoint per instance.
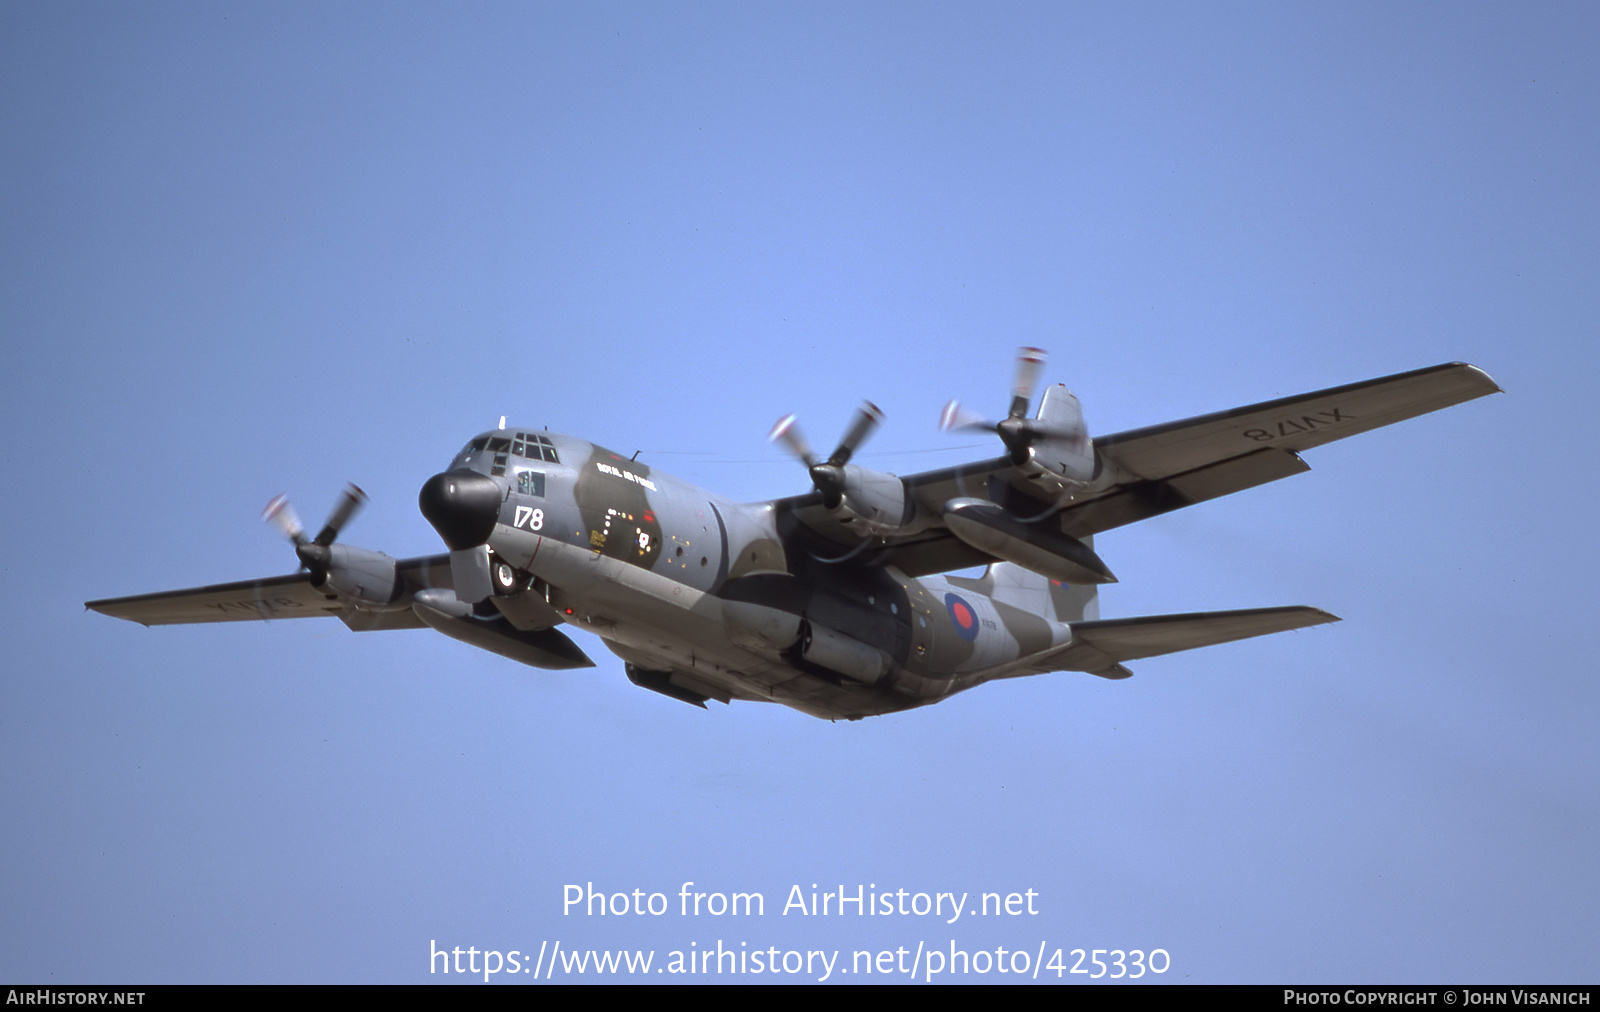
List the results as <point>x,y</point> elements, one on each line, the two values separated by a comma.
<point>462,506</point>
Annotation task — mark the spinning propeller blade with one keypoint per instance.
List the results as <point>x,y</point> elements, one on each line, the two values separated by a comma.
<point>282,516</point>
<point>868,417</point>
<point>350,501</point>
<point>787,431</point>
<point>1029,363</point>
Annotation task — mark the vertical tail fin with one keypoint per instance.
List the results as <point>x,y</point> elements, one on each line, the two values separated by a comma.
<point>1074,602</point>
<point>1057,601</point>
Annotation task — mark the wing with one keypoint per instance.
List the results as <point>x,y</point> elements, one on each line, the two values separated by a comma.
<point>1145,472</point>
<point>1165,467</point>
<point>515,633</point>
<point>275,597</point>
<point>1100,646</point>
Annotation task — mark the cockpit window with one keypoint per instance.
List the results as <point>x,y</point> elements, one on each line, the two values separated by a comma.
<point>546,449</point>
<point>535,447</point>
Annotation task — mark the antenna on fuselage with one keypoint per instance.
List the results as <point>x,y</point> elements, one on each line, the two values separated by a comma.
<point>502,421</point>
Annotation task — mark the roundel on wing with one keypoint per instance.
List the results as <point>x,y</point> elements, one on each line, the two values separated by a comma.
<point>962,617</point>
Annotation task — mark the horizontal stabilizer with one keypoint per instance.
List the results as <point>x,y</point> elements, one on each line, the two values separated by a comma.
<point>1098,647</point>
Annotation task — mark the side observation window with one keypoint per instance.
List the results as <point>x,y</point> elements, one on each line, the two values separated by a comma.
<point>531,483</point>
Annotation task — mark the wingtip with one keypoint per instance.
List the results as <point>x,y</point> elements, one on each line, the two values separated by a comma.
<point>1322,617</point>
<point>1482,375</point>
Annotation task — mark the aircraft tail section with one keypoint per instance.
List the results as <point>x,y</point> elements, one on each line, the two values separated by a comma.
<point>1022,588</point>
<point>1074,602</point>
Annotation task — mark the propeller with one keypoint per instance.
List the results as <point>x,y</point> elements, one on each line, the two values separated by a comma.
<point>1030,362</point>
<point>1016,430</point>
<point>313,552</point>
<point>828,475</point>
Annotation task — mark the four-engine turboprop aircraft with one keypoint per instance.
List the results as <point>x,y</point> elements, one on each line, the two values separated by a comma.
<point>828,602</point>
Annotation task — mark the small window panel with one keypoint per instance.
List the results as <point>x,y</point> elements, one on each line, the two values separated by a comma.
<point>531,483</point>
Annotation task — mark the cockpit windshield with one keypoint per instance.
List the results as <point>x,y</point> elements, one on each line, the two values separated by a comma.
<point>527,445</point>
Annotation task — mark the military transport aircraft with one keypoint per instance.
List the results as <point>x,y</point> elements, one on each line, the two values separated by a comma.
<point>830,601</point>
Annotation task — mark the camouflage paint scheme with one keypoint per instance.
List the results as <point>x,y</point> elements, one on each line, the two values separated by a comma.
<point>818,603</point>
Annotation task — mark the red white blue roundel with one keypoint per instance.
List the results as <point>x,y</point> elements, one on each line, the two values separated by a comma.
<point>962,617</point>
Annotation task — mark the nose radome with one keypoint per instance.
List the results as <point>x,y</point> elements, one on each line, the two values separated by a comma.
<point>462,506</point>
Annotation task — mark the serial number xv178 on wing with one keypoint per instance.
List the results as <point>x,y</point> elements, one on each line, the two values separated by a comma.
<point>830,602</point>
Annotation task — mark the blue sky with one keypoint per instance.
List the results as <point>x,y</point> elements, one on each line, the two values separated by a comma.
<point>252,249</point>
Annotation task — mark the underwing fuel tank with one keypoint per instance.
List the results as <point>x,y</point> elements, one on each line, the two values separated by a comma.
<point>544,648</point>
<point>1040,546</point>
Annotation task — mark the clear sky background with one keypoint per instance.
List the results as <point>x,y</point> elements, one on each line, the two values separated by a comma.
<point>250,249</point>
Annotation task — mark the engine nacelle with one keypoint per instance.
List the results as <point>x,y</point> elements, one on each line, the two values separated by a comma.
<point>1062,462</point>
<point>369,580</point>
<point>870,502</point>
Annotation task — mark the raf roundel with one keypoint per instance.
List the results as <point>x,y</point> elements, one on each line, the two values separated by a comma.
<point>962,616</point>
